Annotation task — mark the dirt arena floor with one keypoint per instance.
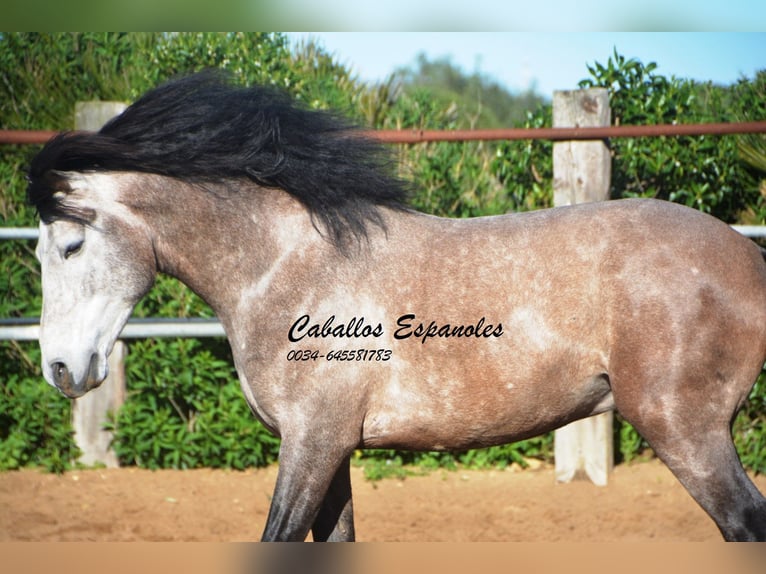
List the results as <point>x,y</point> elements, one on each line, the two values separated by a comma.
<point>643,502</point>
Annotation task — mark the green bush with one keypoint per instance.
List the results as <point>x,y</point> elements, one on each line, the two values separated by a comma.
<point>185,410</point>
<point>525,167</point>
<point>453,178</point>
<point>35,427</point>
<point>703,172</point>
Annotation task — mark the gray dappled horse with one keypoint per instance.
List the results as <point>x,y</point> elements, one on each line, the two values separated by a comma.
<point>357,322</point>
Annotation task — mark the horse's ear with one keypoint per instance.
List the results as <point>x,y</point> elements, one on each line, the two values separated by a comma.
<point>53,196</point>
<point>59,181</point>
<point>65,182</point>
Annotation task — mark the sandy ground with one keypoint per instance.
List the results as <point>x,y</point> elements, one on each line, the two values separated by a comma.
<point>643,502</point>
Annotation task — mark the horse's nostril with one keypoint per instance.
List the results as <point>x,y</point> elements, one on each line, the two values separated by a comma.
<point>62,378</point>
<point>60,373</point>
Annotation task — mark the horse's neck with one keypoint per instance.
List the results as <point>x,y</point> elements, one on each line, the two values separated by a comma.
<point>219,244</point>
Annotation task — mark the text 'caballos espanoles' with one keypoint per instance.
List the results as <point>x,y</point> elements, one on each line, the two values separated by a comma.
<point>407,326</point>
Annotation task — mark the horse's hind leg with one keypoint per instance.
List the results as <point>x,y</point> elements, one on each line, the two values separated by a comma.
<point>711,472</point>
<point>335,521</point>
<point>697,447</point>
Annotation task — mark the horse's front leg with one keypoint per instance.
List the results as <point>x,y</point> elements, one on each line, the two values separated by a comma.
<point>306,473</point>
<point>335,521</point>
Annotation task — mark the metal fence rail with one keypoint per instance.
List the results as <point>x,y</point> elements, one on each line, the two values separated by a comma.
<point>19,232</point>
<point>32,232</point>
<point>28,328</point>
<point>25,137</point>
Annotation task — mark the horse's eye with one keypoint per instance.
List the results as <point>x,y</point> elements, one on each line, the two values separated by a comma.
<point>73,249</point>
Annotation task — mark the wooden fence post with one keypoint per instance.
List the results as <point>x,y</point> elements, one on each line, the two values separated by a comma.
<point>582,172</point>
<point>90,412</point>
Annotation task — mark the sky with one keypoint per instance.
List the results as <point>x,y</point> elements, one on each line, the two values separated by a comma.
<point>538,15</point>
<point>386,15</point>
<point>548,61</point>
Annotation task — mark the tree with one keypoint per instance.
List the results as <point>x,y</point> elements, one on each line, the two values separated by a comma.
<point>478,100</point>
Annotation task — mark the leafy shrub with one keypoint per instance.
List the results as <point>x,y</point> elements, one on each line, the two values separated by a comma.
<point>189,412</point>
<point>525,167</point>
<point>703,172</point>
<point>389,463</point>
<point>453,178</point>
<point>35,428</point>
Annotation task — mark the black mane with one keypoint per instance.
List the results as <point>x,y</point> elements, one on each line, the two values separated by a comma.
<point>203,129</point>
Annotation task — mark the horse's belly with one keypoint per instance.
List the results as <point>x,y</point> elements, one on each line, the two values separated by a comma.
<point>485,415</point>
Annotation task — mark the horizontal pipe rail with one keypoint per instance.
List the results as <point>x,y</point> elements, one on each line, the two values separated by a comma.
<point>19,232</point>
<point>26,136</point>
<point>28,328</point>
<point>563,134</point>
<point>553,134</point>
<point>752,231</point>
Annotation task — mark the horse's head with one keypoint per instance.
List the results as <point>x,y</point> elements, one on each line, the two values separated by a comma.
<point>97,261</point>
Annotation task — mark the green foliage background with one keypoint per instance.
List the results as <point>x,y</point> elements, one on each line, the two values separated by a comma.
<point>185,408</point>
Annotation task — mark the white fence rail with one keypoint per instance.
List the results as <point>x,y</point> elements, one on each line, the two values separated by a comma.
<point>28,329</point>
<point>19,232</point>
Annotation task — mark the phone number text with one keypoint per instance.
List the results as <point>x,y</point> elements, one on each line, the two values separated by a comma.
<point>368,355</point>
